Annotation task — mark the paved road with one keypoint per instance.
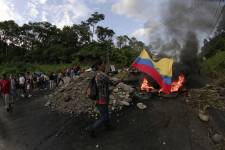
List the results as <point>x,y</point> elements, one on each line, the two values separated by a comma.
<point>164,125</point>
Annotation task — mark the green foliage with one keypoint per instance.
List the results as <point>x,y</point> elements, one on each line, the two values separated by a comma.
<point>214,52</point>
<point>43,43</point>
<point>215,65</point>
<point>123,57</point>
<point>212,46</point>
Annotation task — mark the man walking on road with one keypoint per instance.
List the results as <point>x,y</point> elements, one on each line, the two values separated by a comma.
<point>5,89</point>
<point>102,101</point>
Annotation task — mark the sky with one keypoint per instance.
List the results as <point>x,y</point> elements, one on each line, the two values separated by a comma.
<point>123,16</point>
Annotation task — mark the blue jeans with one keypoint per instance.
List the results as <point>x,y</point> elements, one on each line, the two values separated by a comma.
<point>104,116</point>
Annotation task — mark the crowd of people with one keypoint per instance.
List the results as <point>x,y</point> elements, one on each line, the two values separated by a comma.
<point>21,85</point>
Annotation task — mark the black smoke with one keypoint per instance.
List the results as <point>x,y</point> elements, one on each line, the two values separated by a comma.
<point>184,26</point>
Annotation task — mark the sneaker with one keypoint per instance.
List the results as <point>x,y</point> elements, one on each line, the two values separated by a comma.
<point>29,96</point>
<point>22,95</point>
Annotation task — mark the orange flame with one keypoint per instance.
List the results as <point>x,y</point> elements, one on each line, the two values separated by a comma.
<point>145,86</point>
<point>176,85</point>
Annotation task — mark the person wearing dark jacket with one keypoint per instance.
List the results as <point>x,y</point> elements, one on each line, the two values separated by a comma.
<point>102,102</point>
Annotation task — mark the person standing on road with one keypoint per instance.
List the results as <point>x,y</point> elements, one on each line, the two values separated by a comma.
<point>51,81</point>
<point>28,88</point>
<point>102,102</point>
<point>5,89</point>
<point>60,79</point>
<point>22,81</point>
<point>13,88</point>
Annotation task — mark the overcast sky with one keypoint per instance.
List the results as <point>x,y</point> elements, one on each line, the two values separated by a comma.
<point>123,16</point>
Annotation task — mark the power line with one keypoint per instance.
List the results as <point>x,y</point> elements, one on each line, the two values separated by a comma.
<point>218,8</point>
<point>218,19</point>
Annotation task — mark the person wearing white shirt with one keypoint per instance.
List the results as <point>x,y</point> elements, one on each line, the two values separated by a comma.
<point>22,81</point>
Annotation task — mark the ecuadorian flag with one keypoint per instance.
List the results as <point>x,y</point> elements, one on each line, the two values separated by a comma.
<point>160,71</point>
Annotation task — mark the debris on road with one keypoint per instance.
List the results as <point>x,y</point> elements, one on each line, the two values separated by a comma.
<point>97,146</point>
<point>211,95</point>
<point>217,138</point>
<point>71,97</point>
<point>141,106</point>
<point>203,116</point>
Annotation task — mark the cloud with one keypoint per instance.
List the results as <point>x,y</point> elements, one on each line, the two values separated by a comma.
<point>67,13</point>
<point>60,13</point>
<point>43,1</point>
<point>100,1</point>
<point>33,10</point>
<point>142,34</point>
<point>137,9</point>
<point>7,11</point>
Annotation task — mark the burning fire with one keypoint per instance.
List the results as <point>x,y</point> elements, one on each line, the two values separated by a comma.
<point>176,85</point>
<point>145,86</point>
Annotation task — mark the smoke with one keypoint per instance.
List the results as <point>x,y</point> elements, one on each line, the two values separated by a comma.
<point>184,24</point>
<point>178,19</point>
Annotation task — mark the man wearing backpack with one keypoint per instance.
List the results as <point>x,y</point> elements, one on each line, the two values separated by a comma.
<point>5,89</point>
<point>102,99</point>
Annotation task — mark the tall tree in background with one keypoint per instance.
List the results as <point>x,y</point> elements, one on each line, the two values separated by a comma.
<point>105,37</point>
<point>93,20</point>
<point>135,44</point>
<point>119,41</point>
<point>122,41</point>
<point>104,34</point>
<point>83,32</point>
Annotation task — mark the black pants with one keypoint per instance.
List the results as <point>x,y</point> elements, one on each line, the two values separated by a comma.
<point>104,116</point>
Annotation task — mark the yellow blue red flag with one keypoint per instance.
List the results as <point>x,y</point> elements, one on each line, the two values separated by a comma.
<point>160,71</point>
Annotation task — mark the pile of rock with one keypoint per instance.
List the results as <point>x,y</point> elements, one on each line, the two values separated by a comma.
<point>120,96</point>
<point>209,96</point>
<point>71,97</point>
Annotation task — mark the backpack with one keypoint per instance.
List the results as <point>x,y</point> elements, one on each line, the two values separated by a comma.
<point>92,91</point>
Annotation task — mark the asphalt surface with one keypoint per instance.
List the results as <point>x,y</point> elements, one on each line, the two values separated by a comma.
<point>167,124</point>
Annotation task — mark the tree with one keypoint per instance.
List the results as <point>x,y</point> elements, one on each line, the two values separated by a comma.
<point>45,33</point>
<point>42,42</point>
<point>221,26</point>
<point>104,34</point>
<point>122,41</point>
<point>119,41</point>
<point>93,20</point>
<point>137,45</point>
<point>69,37</point>
<point>83,32</point>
